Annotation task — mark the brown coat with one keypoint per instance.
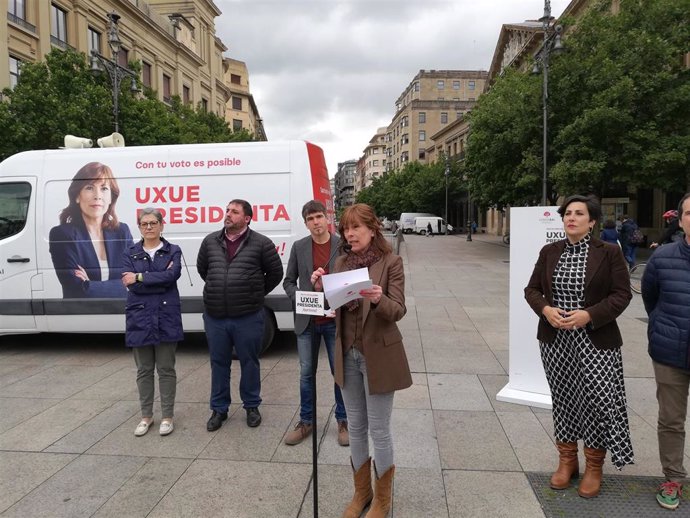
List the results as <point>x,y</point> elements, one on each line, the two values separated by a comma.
<point>387,367</point>
<point>607,291</point>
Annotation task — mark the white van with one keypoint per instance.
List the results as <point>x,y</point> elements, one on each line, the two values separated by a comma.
<point>190,184</point>
<point>406,223</point>
<point>438,225</point>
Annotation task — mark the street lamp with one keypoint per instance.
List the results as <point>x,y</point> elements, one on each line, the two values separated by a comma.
<point>116,72</point>
<point>469,213</point>
<point>552,44</point>
<point>446,174</point>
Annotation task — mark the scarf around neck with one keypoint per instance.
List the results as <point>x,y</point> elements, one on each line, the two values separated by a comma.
<point>364,260</point>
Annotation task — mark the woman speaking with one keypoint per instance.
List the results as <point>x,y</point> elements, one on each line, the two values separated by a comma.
<point>87,245</point>
<point>370,360</point>
<point>579,286</point>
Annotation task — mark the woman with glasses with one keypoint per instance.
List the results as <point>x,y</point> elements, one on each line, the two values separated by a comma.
<point>87,245</point>
<point>154,320</point>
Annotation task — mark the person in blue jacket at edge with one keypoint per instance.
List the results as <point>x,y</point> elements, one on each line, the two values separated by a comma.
<point>87,245</point>
<point>666,297</point>
<point>154,318</point>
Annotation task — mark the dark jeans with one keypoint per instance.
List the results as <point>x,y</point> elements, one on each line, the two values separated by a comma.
<point>629,253</point>
<point>327,332</point>
<point>244,334</point>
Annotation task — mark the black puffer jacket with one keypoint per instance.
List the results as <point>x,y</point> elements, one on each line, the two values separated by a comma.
<point>237,288</point>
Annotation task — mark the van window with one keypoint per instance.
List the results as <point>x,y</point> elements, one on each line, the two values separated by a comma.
<point>14,206</point>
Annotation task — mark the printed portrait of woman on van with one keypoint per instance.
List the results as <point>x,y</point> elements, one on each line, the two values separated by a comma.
<point>87,246</point>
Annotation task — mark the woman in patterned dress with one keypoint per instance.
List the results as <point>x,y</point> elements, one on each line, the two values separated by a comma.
<point>579,286</point>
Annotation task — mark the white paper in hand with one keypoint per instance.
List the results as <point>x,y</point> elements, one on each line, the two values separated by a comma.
<point>341,288</point>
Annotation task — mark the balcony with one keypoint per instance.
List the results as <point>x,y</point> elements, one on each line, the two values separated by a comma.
<point>21,22</point>
<point>59,43</point>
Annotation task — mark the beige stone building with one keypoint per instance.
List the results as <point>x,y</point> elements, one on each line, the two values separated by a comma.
<point>175,40</point>
<point>432,100</point>
<point>374,157</point>
<point>241,112</point>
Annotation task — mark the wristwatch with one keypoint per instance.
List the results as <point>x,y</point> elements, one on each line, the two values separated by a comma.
<point>140,277</point>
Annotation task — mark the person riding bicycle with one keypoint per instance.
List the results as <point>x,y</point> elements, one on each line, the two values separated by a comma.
<point>673,231</point>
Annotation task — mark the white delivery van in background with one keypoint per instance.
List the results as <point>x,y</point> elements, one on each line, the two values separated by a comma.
<point>438,225</point>
<point>190,184</point>
<point>406,223</point>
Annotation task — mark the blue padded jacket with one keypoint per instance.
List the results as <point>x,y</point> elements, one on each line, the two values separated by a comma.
<point>666,296</point>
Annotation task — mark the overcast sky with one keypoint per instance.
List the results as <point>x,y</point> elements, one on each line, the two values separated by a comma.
<point>329,71</point>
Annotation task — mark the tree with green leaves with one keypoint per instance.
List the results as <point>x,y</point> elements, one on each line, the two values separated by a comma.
<point>61,96</point>
<point>619,106</point>
<point>415,188</point>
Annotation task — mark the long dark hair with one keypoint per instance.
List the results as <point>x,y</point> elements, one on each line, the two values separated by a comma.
<point>364,215</point>
<point>89,173</point>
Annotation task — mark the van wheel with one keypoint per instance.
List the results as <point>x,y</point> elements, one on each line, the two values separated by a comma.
<point>422,232</point>
<point>269,330</point>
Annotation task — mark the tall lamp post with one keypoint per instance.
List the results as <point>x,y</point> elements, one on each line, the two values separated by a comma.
<point>552,44</point>
<point>116,72</point>
<point>446,174</point>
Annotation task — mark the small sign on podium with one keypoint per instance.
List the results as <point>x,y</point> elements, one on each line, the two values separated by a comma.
<point>309,303</point>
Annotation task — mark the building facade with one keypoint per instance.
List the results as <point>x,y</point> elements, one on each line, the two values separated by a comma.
<point>241,112</point>
<point>345,178</point>
<point>375,157</point>
<point>432,100</point>
<point>175,41</point>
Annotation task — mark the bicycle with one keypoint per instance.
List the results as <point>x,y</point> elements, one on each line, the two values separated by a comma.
<point>636,273</point>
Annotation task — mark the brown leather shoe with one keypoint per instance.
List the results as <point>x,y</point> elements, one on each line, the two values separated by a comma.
<point>302,431</point>
<point>590,485</point>
<point>343,434</point>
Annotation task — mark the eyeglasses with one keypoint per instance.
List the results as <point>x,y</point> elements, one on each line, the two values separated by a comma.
<point>151,224</point>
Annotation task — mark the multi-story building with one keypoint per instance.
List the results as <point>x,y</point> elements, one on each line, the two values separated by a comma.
<point>344,193</point>
<point>175,41</point>
<point>375,157</point>
<point>241,112</point>
<point>359,174</point>
<point>432,100</point>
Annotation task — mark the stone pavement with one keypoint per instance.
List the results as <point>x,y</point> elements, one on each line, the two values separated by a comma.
<point>68,409</point>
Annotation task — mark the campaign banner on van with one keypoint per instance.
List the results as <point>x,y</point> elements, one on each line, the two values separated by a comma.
<point>92,200</point>
<point>530,229</point>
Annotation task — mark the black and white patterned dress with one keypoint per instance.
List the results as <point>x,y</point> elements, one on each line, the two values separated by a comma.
<point>586,383</point>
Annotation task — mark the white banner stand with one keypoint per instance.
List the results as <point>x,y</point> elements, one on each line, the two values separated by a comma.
<point>530,229</point>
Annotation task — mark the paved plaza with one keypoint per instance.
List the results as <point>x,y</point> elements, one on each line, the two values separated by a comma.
<point>68,409</point>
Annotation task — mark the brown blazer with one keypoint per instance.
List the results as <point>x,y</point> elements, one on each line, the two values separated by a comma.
<point>607,291</point>
<point>387,367</point>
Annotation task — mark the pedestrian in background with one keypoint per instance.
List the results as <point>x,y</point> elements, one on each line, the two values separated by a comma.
<point>673,232</point>
<point>579,286</point>
<point>317,250</point>
<point>666,296</point>
<point>627,239</point>
<point>429,230</point>
<point>154,320</point>
<point>240,267</point>
<point>609,234</point>
<point>370,357</point>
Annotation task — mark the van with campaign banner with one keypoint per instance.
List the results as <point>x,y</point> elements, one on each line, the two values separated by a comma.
<point>41,241</point>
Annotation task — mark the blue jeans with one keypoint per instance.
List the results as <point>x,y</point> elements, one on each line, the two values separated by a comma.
<point>327,332</point>
<point>629,253</point>
<point>244,334</point>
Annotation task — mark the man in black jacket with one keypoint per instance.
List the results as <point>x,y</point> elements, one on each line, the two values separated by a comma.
<point>240,267</point>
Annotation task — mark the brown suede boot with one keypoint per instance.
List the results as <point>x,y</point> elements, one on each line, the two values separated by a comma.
<point>363,493</point>
<point>568,466</point>
<point>591,480</point>
<point>383,494</point>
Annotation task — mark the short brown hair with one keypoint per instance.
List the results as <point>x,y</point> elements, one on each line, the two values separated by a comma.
<point>312,207</point>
